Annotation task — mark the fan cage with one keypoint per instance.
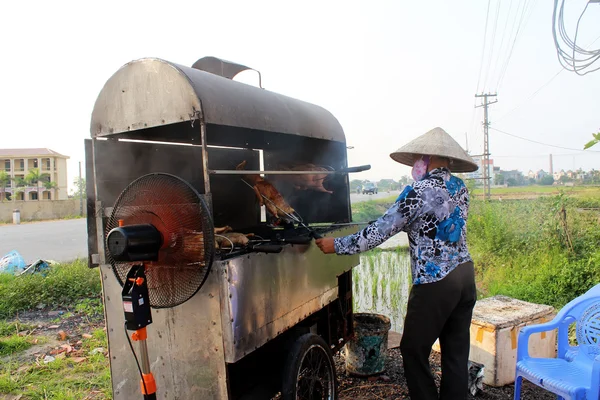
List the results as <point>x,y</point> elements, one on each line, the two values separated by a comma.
<point>182,217</point>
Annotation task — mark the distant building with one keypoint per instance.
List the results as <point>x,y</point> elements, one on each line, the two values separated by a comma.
<point>478,175</point>
<point>18,162</point>
<point>558,175</point>
<point>512,174</point>
<point>540,174</point>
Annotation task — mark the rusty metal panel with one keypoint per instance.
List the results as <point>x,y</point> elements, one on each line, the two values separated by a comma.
<point>151,92</point>
<point>143,94</point>
<point>90,189</point>
<point>266,294</point>
<point>185,345</point>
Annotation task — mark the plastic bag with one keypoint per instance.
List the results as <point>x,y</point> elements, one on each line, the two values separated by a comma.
<point>39,267</point>
<point>12,263</point>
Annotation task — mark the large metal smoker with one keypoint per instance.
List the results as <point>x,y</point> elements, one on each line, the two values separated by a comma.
<point>233,338</point>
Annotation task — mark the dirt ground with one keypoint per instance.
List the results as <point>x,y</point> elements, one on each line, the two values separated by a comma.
<point>391,385</point>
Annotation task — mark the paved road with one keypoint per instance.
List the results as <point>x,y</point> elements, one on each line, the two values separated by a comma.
<point>51,240</point>
<point>67,240</point>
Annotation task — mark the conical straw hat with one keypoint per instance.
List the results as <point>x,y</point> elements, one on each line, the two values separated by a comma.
<point>436,142</point>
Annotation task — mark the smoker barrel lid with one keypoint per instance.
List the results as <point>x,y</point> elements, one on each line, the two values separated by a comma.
<point>151,92</point>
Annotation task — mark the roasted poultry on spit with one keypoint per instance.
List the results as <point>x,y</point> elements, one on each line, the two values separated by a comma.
<point>306,182</point>
<point>276,206</point>
<point>226,238</point>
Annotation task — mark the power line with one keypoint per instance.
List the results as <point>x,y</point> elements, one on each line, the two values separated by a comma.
<point>545,144</point>
<point>574,58</point>
<point>487,72</point>
<point>503,36</point>
<point>541,87</point>
<point>546,155</point>
<point>505,68</point>
<point>483,49</point>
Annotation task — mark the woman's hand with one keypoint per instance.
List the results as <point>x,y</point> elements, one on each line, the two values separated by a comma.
<point>326,245</point>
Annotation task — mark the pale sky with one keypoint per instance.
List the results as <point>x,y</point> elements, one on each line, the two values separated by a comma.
<point>388,70</point>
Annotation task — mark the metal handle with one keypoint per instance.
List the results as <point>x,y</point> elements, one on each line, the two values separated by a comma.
<point>350,170</point>
<point>266,248</point>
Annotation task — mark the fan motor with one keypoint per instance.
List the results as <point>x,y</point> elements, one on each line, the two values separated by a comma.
<point>134,243</point>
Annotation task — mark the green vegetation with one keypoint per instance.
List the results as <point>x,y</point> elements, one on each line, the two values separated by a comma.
<point>82,372</point>
<point>370,210</point>
<point>64,285</point>
<point>575,191</point>
<point>13,344</point>
<point>75,377</point>
<point>542,248</point>
<point>593,142</point>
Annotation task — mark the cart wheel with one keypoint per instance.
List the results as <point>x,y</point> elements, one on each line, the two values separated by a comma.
<point>309,373</point>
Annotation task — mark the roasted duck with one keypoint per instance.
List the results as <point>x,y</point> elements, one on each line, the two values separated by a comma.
<point>306,182</point>
<point>238,239</point>
<point>275,202</point>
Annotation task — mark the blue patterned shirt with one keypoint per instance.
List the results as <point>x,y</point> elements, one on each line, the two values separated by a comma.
<point>433,212</point>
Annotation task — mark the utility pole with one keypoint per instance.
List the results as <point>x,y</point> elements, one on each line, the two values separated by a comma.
<point>486,143</point>
<point>467,141</point>
<point>80,192</point>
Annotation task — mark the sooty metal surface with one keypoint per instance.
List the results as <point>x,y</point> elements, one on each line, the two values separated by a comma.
<point>151,92</point>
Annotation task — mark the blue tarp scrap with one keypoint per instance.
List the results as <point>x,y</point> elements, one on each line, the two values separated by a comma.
<point>38,267</point>
<point>12,263</point>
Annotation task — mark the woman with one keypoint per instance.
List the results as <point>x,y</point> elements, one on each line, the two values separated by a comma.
<point>433,211</point>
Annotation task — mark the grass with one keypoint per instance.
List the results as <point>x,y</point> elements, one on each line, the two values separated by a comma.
<point>14,344</point>
<point>524,249</point>
<point>13,327</point>
<point>369,210</point>
<point>65,378</point>
<point>538,190</point>
<point>79,375</point>
<point>64,285</point>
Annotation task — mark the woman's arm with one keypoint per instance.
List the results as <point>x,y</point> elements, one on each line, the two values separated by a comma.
<point>395,219</point>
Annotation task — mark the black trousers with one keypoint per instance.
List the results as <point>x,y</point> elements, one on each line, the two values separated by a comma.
<point>441,310</point>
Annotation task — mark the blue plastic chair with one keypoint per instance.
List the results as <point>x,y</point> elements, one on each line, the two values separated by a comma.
<point>575,372</point>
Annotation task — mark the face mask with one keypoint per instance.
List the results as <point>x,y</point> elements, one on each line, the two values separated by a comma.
<point>419,169</point>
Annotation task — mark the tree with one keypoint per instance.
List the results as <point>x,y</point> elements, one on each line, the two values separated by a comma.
<point>404,180</point>
<point>499,179</point>
<point>34,177</point>
<point>592,142</point>
<point>48,185</point>
<point>80,187</point>
<point>511,182</point>
<point>4,181</point>
<point>547,180</point>
<point>564,179</point>
<point>19,187</point>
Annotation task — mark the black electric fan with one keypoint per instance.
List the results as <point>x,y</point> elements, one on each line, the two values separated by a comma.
<point>160,244</point>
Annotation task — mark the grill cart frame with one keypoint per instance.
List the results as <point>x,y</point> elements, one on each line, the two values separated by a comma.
<point>228,341</point>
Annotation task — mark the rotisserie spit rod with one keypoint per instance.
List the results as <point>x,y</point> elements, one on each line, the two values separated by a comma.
<point>244,172</point>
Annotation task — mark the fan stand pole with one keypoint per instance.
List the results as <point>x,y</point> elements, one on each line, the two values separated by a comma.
<point>136,304</point>
<point>148,384</point>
